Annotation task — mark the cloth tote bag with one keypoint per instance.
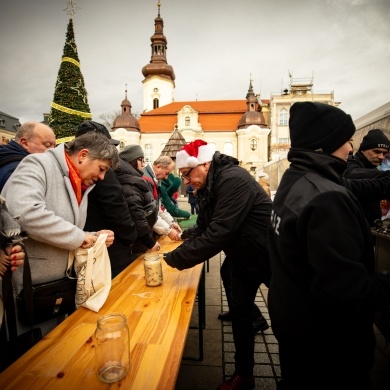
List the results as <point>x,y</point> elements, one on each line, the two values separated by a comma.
<point>93,272</point>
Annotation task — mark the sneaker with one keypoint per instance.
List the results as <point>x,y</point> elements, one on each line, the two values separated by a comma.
<point>260,325</point>
<point>237,382</point>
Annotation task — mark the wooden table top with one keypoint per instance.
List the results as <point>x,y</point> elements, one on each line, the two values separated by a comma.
<point>158,320</point>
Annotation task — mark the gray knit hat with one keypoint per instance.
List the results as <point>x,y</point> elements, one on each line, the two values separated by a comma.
<point>131,152</point>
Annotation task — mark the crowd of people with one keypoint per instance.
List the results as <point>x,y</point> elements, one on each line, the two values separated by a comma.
<point>311,245</point>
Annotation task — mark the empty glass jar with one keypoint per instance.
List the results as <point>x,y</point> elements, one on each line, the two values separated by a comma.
<point>112,347</point>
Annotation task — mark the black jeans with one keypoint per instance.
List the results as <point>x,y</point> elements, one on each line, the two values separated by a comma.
<point>241,286</point>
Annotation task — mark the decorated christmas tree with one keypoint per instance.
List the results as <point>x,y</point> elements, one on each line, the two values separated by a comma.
<point>70,104</point>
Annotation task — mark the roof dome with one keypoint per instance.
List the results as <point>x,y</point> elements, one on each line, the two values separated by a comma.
<point>126,120</point>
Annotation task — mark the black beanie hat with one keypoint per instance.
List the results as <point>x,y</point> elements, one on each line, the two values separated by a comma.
<point>319,126</point>
<point>131,152</point>
<point>375,139</point>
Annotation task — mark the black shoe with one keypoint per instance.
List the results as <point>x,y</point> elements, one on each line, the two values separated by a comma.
<point>225,316</point>
<point>260,325</point>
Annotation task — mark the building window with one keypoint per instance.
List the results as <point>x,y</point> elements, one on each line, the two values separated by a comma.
<point>148,154</point>
<point>283,117</point>
<point>283,140</point>
<point>155,103</point>
<point>187,120</point>
<point>253,144</point>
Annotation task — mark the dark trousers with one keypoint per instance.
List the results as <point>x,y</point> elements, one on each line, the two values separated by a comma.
<point>194,208</point>
<point>241,286</point>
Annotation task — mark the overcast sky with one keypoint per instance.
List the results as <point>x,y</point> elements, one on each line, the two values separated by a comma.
<point>214,47</point>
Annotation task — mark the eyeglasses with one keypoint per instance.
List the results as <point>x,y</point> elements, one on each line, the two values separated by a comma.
<point>187,175</point>
<point>141,160</point>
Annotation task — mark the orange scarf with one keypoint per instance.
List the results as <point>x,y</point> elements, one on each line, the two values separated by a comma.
<point>74,178</point>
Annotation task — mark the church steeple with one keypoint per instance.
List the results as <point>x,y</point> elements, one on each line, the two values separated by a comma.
<point>159,76</point>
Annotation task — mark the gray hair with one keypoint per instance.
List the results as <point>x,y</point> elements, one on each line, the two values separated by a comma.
<point>164,161</point>
<point>98,145</point>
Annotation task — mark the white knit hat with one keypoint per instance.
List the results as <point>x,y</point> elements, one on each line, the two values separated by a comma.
<point>193,154</point>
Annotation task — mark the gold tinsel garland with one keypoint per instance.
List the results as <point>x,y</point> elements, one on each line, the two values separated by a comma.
<point>70,111</point>
<point>72,60</point>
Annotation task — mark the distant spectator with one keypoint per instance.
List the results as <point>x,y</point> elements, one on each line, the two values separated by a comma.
<point>263,180</point>
<point>31,137</point>
<point>192,199</point>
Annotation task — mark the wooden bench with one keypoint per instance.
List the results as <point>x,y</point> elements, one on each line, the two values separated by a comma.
<point>158,320</point>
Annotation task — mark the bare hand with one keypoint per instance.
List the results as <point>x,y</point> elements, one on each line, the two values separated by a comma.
<point>174,235</point>
<point>155,248</point>
<point>110,236</point>
<point>176,226</point>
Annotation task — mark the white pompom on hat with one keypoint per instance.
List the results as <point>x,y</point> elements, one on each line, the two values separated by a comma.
<point>193,154</point>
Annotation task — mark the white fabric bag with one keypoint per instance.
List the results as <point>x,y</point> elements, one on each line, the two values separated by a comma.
<point>93,272</point>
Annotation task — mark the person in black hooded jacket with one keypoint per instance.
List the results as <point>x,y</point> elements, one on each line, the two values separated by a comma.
<point>324,290</point>
<point>364,165</point>
<point>234,213</point>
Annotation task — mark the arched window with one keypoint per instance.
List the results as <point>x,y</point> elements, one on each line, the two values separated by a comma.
<point>283,115</point>
<point>187,120</point>
<point>253,144</point>
<point>148,154</point>
<point>155,103</point>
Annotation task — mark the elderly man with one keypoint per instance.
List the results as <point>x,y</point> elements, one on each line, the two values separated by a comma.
<point>363,165</point>
<point>32,137</point>
<point>153,174</point>
<point>234,212</point>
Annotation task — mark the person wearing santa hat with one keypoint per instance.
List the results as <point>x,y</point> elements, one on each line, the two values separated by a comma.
<point>234,213</point>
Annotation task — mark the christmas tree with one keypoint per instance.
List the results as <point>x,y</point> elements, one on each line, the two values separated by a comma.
<point>70,104</point>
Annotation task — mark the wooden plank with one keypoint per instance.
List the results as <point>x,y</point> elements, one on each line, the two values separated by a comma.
<point>158,320</point>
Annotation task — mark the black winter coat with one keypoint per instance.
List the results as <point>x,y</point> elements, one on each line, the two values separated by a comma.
<point>107,209</point>
<point>323,291</point>
<point>234,213</point>
<point>358,167</point>
<point>138,194</point>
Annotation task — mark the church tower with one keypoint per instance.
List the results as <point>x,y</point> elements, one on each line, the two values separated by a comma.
<point>159,82</point>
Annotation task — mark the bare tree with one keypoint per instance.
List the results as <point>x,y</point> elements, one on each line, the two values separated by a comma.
<point>107,118</point>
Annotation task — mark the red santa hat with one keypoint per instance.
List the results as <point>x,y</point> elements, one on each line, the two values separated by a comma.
<point>193,154</point>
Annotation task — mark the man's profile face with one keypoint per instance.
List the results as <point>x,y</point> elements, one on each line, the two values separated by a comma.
<point>161,172</point>
<point>375,156</point>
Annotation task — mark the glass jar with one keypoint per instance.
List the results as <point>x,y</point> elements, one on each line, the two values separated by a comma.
<point>112,348</point>
<point>153,269</point>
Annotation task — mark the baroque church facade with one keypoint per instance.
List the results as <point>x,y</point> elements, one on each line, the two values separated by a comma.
<point>253,130</point>
<point>239,128</point>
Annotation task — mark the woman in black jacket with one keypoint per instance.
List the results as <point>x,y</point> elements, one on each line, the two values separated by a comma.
<point>139,197</point>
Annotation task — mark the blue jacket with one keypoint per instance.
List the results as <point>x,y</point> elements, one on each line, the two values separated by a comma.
<point>10,156</point>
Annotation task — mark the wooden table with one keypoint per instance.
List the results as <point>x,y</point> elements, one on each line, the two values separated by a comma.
<point>158,320</point>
